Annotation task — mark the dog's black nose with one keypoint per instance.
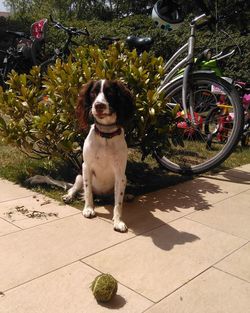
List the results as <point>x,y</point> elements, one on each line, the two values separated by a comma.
<point>99,106</point>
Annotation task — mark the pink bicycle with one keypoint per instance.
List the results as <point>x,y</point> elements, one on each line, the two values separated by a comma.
<point>219,120</point>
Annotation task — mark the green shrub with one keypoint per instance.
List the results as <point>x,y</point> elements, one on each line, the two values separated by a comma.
<point>165,43</point>
<point>41,121</point>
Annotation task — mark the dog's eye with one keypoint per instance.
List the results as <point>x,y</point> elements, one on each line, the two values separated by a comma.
<point>108,93</point>
<point>92,94</point>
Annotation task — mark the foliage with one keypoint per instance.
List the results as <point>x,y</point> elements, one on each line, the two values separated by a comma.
<point>235,11</point>
<point>84,12</point>
<point>41,121</point>
<point>164,43</point>
<point>139,25</point>
<point>81,9</point>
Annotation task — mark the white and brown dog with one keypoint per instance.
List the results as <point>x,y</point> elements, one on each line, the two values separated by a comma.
<point>105,150</point>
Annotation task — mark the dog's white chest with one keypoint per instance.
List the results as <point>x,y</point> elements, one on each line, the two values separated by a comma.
<point>105,158</point>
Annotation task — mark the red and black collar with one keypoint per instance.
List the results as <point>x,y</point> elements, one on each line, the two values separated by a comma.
<point>117,132</point>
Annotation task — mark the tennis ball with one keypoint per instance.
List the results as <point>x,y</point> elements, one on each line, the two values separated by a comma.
<point>104,287</point>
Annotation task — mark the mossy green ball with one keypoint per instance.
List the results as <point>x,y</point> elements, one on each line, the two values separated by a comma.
<point>104,287</point>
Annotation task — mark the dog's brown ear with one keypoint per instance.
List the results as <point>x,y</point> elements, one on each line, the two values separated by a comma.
<point>126,107</point>
<point>84,104</point>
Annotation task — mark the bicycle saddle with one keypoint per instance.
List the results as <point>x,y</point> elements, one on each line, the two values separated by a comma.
<point>139,43</point>
<point>16,34</point>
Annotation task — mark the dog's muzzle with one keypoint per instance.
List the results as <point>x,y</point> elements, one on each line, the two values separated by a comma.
<point>100,107</point>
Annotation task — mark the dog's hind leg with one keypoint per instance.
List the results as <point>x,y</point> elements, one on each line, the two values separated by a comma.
<point>77,187</point>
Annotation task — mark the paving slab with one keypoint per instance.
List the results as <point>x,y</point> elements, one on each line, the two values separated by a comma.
<point>238,263</point>
<point>67,290</point>
<point>11,191</point>
<point>152,210</point>
<point>6,228</point>
<point>158,262</point>
<point>36,251</point>
<point>212,292</point>
<point>34,210</point>
<point>241,172</point>
<point>187,249</point>
<point>231,215</point>
<point>211,189</point>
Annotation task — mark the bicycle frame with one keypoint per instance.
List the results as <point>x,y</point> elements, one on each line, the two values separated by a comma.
<point>185,64</point>
<point>71,32</point>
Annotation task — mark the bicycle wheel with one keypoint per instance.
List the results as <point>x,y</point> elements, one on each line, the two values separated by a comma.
<point>4,69</point>
<point>204,99</point>
<point>199,150</point>
<point>12,61</point>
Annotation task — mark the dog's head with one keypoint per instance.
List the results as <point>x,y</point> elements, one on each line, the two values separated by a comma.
<point>109,101</point>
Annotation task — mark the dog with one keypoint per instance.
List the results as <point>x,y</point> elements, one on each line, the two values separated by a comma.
<point>111,105</point>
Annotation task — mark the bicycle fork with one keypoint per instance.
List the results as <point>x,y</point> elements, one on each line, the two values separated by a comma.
<point>186,76</point>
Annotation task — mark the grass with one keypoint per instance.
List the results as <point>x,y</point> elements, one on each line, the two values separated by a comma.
<point>142,176</point>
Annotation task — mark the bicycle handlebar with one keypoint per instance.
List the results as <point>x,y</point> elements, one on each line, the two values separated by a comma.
<point>204,20</point>
<point>73,31</point>
<point>227,52</point>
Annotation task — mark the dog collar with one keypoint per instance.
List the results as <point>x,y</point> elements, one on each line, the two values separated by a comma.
<point>108,135</point>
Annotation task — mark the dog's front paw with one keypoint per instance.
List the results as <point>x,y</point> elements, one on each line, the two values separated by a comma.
<point>88,212</point>
<point>120,226</point>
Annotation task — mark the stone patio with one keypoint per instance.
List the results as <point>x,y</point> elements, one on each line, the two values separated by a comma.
<point>187,250</point>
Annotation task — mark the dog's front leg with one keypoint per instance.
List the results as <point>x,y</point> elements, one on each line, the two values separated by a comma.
<point>88,210</point>
<point>120,184</point>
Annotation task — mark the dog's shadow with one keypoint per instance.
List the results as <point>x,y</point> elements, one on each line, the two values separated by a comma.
<point>150,214</point>
<point>160,198</point>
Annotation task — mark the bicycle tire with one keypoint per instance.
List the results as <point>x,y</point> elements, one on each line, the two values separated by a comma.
<point>197,159</point>
<point>3,71</point>
<point>19,65</point>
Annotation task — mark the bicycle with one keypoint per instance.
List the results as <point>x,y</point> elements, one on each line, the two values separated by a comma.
<point>64,52</point>
<point>25,51</point>
<point>190,91</point>
<point>222,119</point>
<point>244,91</point>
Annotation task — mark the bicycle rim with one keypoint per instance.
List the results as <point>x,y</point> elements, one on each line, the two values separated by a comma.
<point>205,140</point>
